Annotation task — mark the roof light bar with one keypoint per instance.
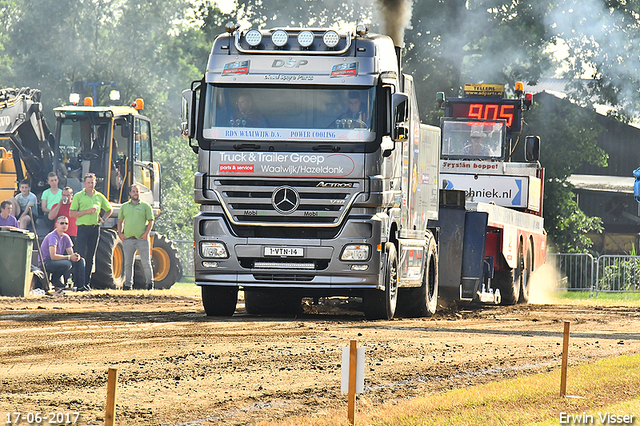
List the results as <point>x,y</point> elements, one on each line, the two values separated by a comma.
<point>305,38</point>
<point>253,38</point>
<point>331,38</point>
<point>280,38</point>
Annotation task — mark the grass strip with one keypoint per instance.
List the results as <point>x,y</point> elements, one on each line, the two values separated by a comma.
<point>606,386</point>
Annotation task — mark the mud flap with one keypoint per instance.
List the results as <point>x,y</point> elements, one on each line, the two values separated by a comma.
<point>475,231</point>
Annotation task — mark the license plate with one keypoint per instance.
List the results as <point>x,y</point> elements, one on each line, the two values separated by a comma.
<point>284,251</point>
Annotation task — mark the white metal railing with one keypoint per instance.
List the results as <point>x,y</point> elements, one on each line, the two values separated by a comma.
<point>576,270</point>
<point>618,273</point>
<point>607,273</point>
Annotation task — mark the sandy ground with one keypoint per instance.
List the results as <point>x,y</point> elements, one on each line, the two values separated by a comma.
<point>177,367</point>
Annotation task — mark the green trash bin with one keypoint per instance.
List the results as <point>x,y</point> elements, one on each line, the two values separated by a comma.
<point>15,263</point>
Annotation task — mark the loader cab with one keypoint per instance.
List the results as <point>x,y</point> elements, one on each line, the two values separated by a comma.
<point>114,143</point>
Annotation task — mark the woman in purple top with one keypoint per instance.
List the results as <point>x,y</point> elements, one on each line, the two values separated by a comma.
<point>59,258</point>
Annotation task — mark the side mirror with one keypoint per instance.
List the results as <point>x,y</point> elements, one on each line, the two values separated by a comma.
<point>186,114</point>
<point>387,146</point>
<point>532,148</point>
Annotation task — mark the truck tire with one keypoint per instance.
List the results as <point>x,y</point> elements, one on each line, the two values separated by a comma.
<point>265,302</point>
<point>164,262</point>
<point>422,301</point>
<point>219,301</point>
<point>526,275</point>
<point>109,263</point>
<point>510,282</point>
<point>381,304</point>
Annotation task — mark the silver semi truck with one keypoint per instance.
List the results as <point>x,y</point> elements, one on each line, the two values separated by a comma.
<point>315,176</point>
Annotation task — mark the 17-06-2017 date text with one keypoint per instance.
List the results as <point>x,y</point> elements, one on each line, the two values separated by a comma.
<point>38,418</point>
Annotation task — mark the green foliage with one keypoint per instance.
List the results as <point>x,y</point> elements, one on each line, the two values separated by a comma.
<point>457,42</point>
<point>567,226</point>
<point>601,37</point>
<point>568,139</point>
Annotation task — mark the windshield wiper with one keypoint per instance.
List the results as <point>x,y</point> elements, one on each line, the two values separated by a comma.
<point>246,146</point>
<point>326,148</point>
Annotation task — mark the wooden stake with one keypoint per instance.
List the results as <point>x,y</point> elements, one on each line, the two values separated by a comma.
<point>353,360</point>
<point>110,415</point>
<point>565,360</point>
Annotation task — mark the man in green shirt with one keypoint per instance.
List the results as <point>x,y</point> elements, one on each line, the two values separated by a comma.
<point>86,207</point>
<point>135,221</point>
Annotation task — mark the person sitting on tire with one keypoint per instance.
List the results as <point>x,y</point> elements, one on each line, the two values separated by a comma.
<point>135,221</point>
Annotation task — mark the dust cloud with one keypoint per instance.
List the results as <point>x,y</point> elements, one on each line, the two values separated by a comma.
<point>544,285</point>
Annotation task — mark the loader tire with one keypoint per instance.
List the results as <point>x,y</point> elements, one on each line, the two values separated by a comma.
<point>165,264</point>
<point>109,263</point>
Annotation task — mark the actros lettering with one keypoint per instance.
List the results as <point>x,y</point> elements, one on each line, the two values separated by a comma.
<point>334,185</point>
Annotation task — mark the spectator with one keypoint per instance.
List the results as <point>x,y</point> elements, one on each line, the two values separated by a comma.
<point>7,220</point>
<point>86,207</point>
<point>135,221</point>
<point>50,196</point>
<point>23,203</point>
<point>62,209</point>
<point>58,256</point>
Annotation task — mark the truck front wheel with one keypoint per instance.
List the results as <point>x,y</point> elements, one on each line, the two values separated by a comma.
<point>422,301</point>
<point>219,301</point>
<point>381,304</point>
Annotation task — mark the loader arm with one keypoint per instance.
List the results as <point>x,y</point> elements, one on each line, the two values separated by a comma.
<point>23,124</point>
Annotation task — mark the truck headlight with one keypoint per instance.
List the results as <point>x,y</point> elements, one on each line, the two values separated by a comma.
<point>213,249</point>
<point>356,252</point>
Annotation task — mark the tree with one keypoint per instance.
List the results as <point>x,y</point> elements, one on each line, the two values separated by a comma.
<point>568,139</point>
<point>601,38</point>
<point>454,42</point>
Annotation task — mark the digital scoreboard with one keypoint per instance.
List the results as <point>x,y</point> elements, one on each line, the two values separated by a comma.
<point>487,109</point>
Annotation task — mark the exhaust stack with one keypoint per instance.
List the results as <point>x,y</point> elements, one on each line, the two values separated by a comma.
<point>397,17</point>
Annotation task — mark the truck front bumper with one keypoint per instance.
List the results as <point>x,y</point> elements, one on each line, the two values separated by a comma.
<point>313,264</point>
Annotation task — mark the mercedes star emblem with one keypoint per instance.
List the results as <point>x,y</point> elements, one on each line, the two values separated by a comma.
<point>285,199</point>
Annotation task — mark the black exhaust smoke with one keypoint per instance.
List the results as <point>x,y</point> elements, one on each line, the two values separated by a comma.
<point>396,15</point>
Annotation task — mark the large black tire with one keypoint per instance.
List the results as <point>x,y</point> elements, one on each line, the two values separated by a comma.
<point>526,275</point>
<point>272,302</point>
<point>381,304</point>
<point>109,264</point>
<point>510,282</point>
<point>219,301</point>
<point>165,264</point>
<point>422,301</point>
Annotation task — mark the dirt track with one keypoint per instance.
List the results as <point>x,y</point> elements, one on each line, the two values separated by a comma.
<point>176,366</point>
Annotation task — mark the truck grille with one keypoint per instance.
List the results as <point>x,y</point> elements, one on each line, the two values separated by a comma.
<point>273,202</point>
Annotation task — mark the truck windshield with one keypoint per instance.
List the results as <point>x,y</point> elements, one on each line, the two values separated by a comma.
<point>289,113</point>
<point>473,139</point>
